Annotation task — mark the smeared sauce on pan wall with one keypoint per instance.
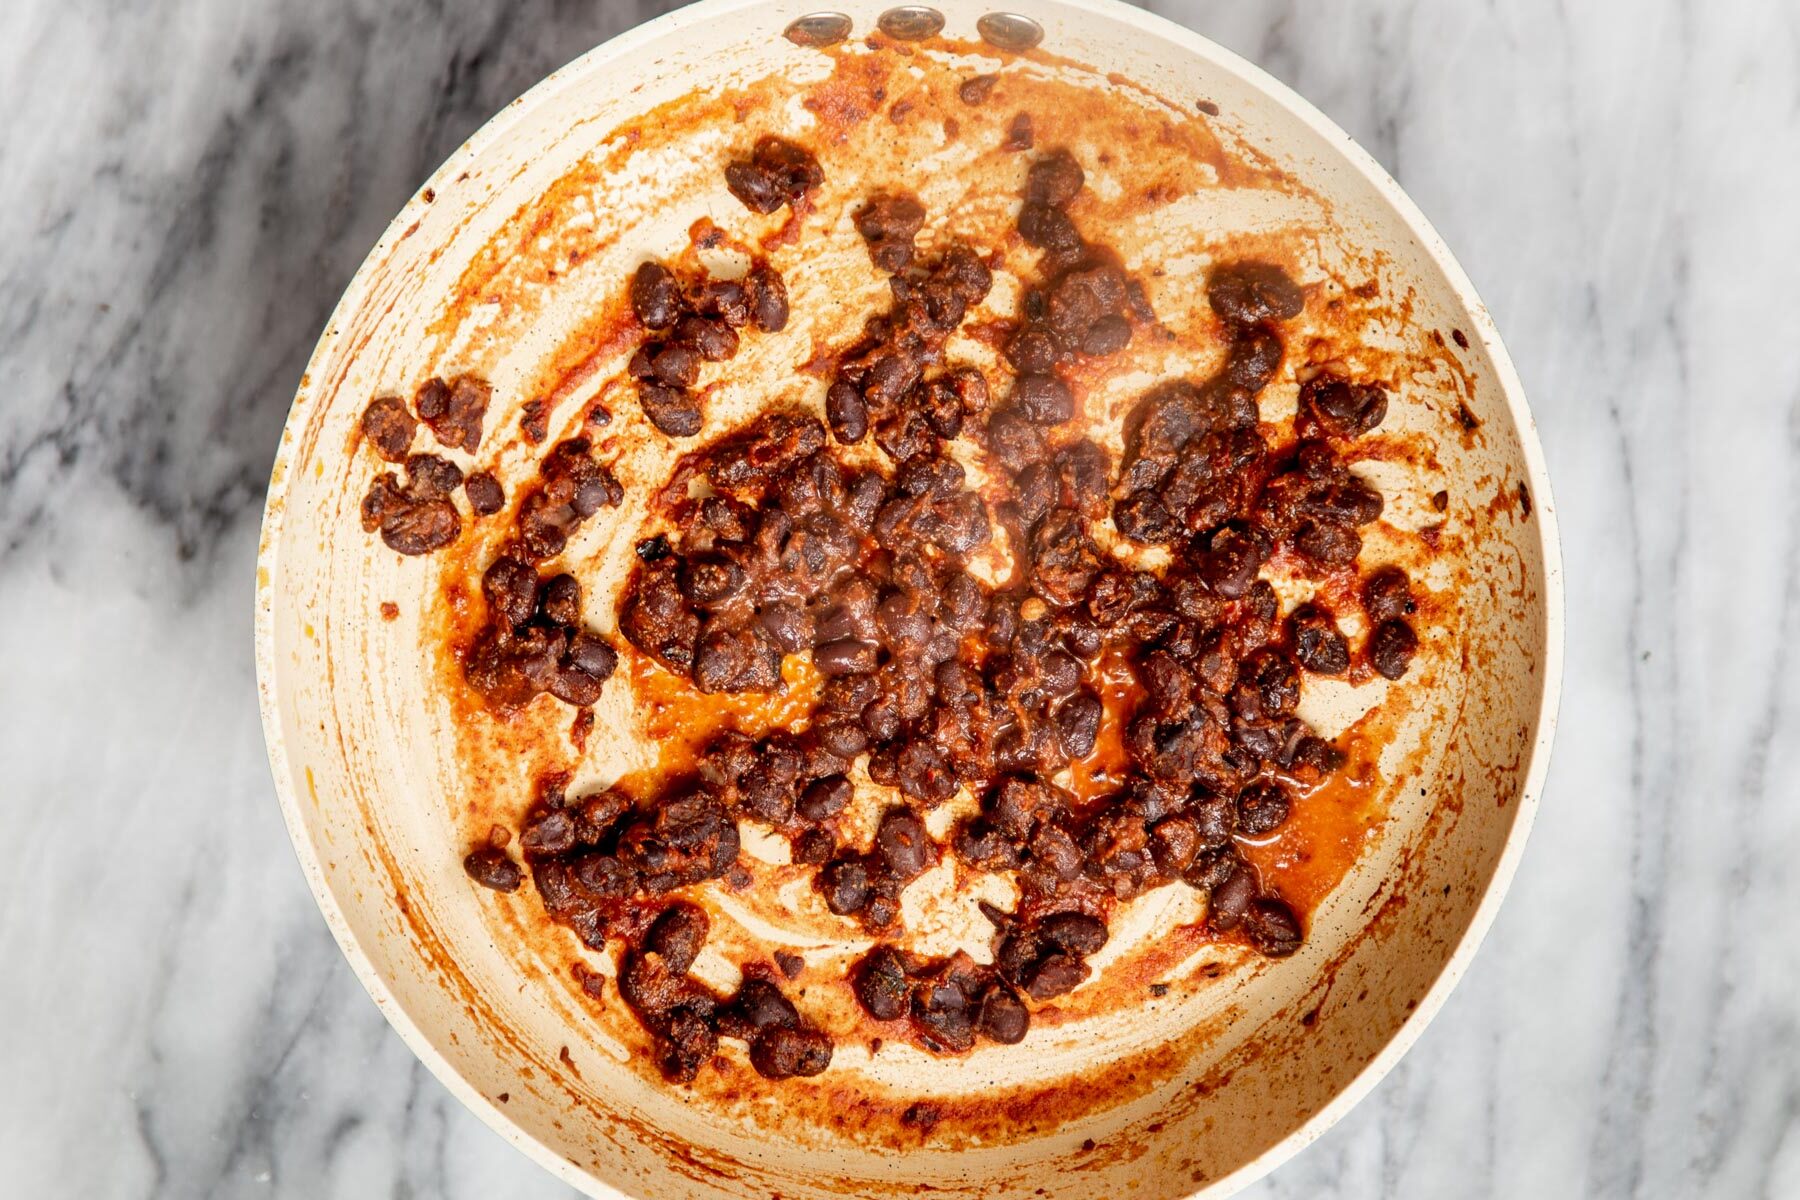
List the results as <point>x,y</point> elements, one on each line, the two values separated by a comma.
<point>1158,178</point>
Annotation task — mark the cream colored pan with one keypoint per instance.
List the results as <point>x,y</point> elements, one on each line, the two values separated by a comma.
<point>1187,1067</point>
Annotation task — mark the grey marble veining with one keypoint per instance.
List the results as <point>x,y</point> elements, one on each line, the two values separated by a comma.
<point>185,189</point>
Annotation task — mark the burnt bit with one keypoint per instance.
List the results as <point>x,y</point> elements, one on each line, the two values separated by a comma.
<point>534,421</point>
<point>1524,502</point>
<point>1468,420</point>
<point>1207,107</point>
<point>1460,338</point>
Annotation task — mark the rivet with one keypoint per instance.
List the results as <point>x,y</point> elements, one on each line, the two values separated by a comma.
<point>1009,31</point>
<point>912,23</point>
<point>818,29</point>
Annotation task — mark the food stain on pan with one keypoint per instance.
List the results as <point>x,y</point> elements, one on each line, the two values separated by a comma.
<point>526,263</point>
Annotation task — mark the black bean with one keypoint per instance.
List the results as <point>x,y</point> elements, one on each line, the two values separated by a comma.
<point>712,340</point>
<point>768,298</point>
<point>673,411</point>
<point>762,1006</point>
<point>902,844</point>
<point>1048,228</point>
<point>593,655</point>
<point>1391,648</point>
<point>655,296</point>
<point>1273,927</point>
<point>781,1053</point>
<point>846,886</point>
<point>677,935</point>
<point>846,658</point>
<point>1248,293</point>
<point>1262,809</point>
<point>1255,357</point>
<point>1033,350</point>
<point>881,985</point>
<point>1328,544</point>
<point>1075,932</point>
<point>1318,644</point>
<point>846,413</point>
<point>1387,595</point>
<point>510,588</point>
<point>1044,399</point>
<point>484,493</point>
<point>1002,1016</point>
<point>1343,408</point>
<point>676,365</point>
<point>421,528</point>
<point>1054,179</point>
<point>825,798</point>
<point>491,868</point>
<point>389,427</point>
<point>1078,724</point>
<point>1108,335</point>
<point>560,599</point>
<point>1231,900</point>
<point>1054,975</point>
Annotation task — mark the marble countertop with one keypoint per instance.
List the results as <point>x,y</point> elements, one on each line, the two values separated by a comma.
<point>185,189</point>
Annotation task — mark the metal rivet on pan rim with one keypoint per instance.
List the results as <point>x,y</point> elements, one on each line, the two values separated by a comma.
<point>818,29</point>
<point>1009,31</point>
<point>911,23</point>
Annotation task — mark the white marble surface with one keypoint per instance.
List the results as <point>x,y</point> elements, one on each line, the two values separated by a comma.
<point>185,188</point>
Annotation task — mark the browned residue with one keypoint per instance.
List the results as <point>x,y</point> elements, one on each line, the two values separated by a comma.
<point>1168,153</point>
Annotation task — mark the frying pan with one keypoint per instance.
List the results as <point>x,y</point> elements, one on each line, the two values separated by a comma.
<point>1201,1067</point>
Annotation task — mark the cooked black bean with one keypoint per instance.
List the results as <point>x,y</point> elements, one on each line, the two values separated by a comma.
<point>781,1053</point>
<point>1262,808</point>
<point>903,846</point>
<point>1391,648</point>
<point>1318,644</point>
<point>846,886</point>
<point>1387,595</point>
<point>1002,1016</point>
<point>677,935</point>
<point>1044,399</point>
<point>777,172</point>
<point>846,657</point>
<point>1273,927</point>
<point>1249,293</point>
<point>931,677</point>
<point>768,298</point>
<point>672,410</point>
<point>491,868</point>
<point>1341,407</point>
<point>825,798</point>
<point>1108,335</point>
<point>389,427</point>
<point>485,494</point>
<point>655,296</point>
<point>881,985</point>
<point>712,340</point>
<point>1054,179</point>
